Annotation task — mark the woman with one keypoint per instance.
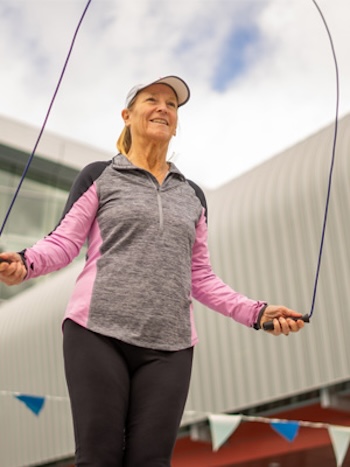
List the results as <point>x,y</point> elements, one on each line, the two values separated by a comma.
<point>128,329</point>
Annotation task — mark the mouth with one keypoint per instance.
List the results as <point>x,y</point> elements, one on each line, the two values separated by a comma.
<point>161,121</point>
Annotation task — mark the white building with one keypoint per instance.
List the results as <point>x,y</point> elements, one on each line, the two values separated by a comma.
<point>264,236</point>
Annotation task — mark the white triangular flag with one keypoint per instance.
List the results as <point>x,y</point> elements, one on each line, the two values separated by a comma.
<point>340,436</point>
<point>222,427</point>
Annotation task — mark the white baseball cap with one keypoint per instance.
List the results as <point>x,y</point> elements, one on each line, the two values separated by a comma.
<point>178,85</point>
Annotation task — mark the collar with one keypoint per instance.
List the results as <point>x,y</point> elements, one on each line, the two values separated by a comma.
<point>121,162</point>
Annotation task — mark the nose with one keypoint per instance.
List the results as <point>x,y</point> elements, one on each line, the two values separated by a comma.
<point>162,106</point>
<point>163,103</point>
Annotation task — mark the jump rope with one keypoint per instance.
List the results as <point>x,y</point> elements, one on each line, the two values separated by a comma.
<point>267,325</point>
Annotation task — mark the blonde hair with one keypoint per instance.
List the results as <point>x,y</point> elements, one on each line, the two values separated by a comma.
<point>124,140</point>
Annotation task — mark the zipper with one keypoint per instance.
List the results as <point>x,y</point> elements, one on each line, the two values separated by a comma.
<point>160,204</point>
<point>160,208</point>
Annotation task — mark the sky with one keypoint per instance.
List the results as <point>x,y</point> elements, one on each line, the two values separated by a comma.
<point>261,72</point>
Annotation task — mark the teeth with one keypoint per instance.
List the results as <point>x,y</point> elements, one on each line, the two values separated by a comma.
<point>158,120</point>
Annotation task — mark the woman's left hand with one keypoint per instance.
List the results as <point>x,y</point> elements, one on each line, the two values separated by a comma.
<point>281,317</point>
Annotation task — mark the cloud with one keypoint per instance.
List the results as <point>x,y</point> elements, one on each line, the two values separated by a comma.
<point>261,72</point>
<point>234,59</point>
<point>242,47</point>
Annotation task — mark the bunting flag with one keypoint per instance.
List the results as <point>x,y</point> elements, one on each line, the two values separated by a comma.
<point>340,437</point>
<point>287,430</point>
<point>34,403</point>
<point>222,427</point>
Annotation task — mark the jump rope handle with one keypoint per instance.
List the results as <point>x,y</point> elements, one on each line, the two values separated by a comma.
<point>268,325</point>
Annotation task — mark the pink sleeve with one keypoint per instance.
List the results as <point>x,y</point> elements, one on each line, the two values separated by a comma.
<point>60,247</point>
<point>211,291</point>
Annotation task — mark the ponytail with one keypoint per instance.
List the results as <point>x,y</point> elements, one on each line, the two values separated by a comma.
<point>124,141</point>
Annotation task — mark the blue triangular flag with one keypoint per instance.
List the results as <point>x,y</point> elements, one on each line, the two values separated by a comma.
<point>288,430</point>
<point>34,403</point>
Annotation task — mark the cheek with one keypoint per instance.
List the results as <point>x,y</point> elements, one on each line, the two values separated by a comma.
<point>175,122</point>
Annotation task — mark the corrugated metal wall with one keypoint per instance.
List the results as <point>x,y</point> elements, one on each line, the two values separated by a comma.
<point>31,363</point>
<point>264,236</point>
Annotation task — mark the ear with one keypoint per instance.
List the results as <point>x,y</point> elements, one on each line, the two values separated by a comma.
<point>126,116</point>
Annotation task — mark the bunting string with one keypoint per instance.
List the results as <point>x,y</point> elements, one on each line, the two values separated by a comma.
<point>222,426</point>
<point>198,417</point>
<point>34,403</point>
<point>306,424</point>
<point>51,398</point>
<point>248,418</point>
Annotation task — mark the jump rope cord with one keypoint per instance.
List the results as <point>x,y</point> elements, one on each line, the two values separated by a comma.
<point>45,120</point>
<point>331,165</point>
<point>332,158</point>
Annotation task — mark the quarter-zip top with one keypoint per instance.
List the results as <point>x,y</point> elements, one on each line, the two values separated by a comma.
<point>137,284</point>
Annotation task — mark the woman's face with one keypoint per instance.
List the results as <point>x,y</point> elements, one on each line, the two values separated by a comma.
<point>154,114</point>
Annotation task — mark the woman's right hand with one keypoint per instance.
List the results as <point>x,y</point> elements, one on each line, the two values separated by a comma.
<point>12,268</point>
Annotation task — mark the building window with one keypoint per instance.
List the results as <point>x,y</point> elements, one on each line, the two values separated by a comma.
<point>36,212</point>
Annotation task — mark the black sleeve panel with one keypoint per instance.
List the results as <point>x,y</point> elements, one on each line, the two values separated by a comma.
<point>81,184</point>
<point>201,196</point>
<point>83,181</point>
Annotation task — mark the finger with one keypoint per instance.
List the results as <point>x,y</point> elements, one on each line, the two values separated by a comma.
<point>293,325</point>
<point>9,257</point>
<point>300,324</point>
<point>13,273</point>
<point>296,325</point>
<point>285,328</point>
<point>20,273</point>
<point>4,265</point>
<point>11,269</point>
<point>277,329</point>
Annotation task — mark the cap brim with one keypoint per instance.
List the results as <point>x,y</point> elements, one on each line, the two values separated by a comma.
<point>177,84</point>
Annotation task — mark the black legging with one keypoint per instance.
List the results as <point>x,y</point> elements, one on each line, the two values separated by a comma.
<point>127,401</point>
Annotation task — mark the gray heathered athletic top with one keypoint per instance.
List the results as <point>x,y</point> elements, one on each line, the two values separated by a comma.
<point>147,256</point>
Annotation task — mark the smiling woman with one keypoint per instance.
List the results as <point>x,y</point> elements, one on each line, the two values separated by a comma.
<point>128,331</point>
<point>178,90</point>
<point>151,120</point>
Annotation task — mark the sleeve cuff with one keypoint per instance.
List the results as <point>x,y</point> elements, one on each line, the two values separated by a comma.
<point>261,312</point>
